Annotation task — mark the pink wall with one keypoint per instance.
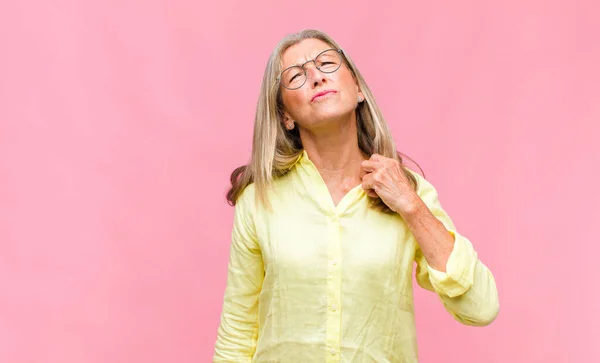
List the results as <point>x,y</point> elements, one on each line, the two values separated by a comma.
<point>120,122</point>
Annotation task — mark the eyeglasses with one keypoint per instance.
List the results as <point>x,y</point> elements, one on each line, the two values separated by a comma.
<point>328,61</point>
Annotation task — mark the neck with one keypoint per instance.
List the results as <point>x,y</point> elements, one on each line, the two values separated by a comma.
<point>335,151</point>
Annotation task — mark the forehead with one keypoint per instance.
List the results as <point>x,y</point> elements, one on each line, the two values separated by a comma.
<point>299,53</point>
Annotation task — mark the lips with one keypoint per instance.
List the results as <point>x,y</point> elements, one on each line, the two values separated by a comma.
<point>322,93</point>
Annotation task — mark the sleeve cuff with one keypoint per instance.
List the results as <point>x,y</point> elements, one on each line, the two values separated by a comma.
<point>460,269</point>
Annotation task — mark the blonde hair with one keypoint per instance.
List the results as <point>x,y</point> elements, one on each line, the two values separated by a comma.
<point>275,149</point>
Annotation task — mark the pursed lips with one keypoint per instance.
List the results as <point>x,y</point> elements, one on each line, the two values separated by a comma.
<point>323,93</point>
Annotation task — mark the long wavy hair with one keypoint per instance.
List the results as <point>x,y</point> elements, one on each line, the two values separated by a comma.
<point>275,149</point>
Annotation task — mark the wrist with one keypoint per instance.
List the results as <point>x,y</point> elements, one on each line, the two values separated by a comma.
<point>409,206</point>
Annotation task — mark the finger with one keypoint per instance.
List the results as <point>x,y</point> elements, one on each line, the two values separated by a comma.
<point>369,165</point>
<point>367,185</point>
<point>371,192</point>
<point>362,173</point>
<point>367,182</point>
<point>375,157</point>
<point>365,171</point>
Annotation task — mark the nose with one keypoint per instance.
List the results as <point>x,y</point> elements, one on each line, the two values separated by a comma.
<point>313,75</point>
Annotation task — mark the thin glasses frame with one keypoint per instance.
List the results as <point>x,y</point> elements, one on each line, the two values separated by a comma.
<point>340,53</point>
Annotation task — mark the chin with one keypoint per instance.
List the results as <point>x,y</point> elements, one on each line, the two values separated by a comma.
<point>327,120</point>
<point>333,112</point>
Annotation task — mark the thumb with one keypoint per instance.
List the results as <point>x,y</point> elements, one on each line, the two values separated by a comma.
<point>362,174</point>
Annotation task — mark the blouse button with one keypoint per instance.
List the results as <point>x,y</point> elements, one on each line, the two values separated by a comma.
<point>332,351</point>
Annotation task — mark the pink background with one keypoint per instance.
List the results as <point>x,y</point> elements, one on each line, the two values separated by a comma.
<point>120,122</point>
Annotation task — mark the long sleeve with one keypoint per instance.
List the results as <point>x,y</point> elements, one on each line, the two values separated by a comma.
<point>467,288</point>
<point>238,330</point>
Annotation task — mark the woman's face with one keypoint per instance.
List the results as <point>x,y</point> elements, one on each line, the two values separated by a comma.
<point>325,97</point>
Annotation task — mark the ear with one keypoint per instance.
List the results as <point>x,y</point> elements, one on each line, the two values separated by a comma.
<point>360,97</point>
<point>359,93</point>
<point>288,122</point>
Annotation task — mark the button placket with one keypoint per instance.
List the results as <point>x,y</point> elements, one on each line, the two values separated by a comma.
<point>334,288</point>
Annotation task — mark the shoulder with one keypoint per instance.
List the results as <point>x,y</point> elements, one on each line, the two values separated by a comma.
<point>423,185</point>
<point>425,189</point>
<point>247,198</point>
<point>244,210</point>
<point>253,199</point>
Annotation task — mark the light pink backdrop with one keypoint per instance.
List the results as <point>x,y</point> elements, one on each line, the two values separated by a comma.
<point>120,122</point>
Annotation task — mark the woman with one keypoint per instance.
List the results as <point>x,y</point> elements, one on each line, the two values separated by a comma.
<point>329,222</point>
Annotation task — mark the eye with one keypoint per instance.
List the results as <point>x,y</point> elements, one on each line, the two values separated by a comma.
<point>293,74</point>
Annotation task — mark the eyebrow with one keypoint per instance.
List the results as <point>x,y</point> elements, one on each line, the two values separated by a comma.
<point>302,63</point>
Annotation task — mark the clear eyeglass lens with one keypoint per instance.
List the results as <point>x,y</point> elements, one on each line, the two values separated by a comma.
<point>293,77</point>
<point>328,61</point>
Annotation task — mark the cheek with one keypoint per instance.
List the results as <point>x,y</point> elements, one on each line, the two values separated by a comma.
<point>293,100</point>
<point>287,101</point>
<point>350,84</point>
<point>346,78</point>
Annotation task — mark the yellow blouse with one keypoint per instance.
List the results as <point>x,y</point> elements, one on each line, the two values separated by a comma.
<point>314,282</point>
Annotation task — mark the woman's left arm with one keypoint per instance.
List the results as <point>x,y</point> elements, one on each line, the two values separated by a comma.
<point>446,261</point>
<point>448,264</point>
